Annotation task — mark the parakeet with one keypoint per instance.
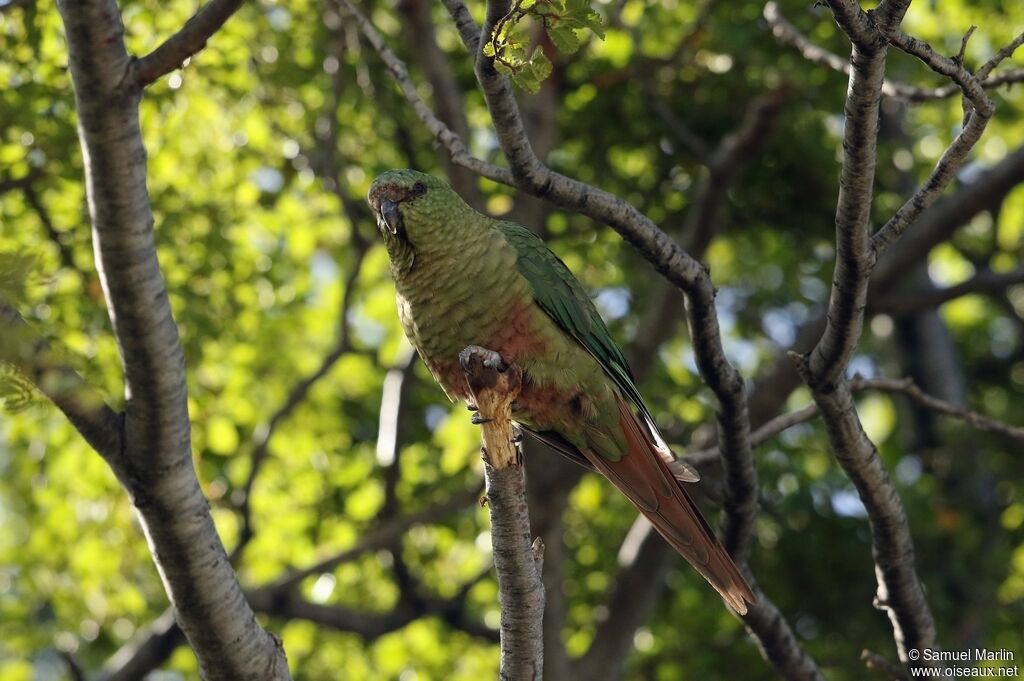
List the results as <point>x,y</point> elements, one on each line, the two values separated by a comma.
<point>463,278</point>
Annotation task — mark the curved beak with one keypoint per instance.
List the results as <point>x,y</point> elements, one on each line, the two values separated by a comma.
<point>390,216</point>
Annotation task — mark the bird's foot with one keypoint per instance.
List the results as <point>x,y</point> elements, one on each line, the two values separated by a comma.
<point>472,407</point>
<point>476,419</point>
<point>489,358</point>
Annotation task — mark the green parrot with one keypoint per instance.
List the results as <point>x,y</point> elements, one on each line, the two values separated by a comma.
<point>462,279</point>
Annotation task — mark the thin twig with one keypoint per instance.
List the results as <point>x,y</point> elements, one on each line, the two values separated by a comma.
<point>396,67</point>
<point>906,386</point>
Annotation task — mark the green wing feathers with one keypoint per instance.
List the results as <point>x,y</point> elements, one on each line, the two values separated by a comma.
<point>561,296</point>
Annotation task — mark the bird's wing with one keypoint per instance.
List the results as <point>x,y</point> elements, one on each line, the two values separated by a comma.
<point>563,298</point>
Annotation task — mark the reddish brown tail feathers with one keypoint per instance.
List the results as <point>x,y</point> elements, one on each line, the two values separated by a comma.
<point>645,478</point>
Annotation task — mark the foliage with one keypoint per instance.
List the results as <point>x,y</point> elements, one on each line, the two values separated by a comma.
<point>259,149</point>
<point>562,22</point>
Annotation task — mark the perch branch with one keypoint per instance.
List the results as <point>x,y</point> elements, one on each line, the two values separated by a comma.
<point>495,387</point>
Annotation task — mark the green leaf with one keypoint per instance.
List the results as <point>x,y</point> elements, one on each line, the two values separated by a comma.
<point>564,38</point>
<point>541,66</point>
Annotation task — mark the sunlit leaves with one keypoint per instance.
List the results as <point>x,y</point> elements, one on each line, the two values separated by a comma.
<point>513,47</point>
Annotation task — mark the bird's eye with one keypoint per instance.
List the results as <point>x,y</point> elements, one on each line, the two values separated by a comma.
<point>419,188</point>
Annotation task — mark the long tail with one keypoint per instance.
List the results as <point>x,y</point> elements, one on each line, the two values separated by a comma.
<point>644,476</point>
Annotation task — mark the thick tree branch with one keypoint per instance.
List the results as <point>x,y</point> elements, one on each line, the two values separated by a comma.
<point>899,589</point>
<point>518,562</point>
<point>854,256</point>
<point>156,466</point>
<point>185,43</point>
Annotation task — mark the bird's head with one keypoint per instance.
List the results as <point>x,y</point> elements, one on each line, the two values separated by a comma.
<point>410,206</point>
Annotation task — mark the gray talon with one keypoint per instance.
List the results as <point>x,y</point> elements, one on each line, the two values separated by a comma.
<point>477,419</point>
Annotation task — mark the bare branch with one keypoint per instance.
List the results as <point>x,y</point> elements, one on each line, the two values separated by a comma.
<point>906,386</point>
<point>823,369</point>
<point>185,43</point>
<point>447,96</point>
<point>518,563</point>
<point>938,223</point>
<point>1003,54</point>
<point>854,256</point>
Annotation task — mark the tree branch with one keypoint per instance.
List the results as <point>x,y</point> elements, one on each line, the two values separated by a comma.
<point>899,588</point>
<point>906,386</point>
<point>156,466</point>
<point>518,563</point>
<point>185,43</point>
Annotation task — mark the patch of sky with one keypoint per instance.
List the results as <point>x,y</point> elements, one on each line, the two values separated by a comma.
<point>846,503</point>
<point>613,302</point>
